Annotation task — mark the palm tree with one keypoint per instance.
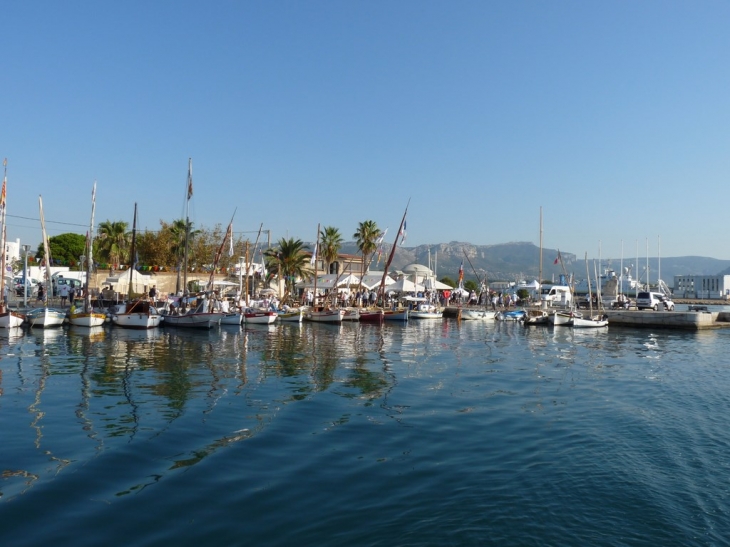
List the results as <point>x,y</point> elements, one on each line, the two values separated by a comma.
<point>288,262</point>
<point>177,230</point>
<point>113,241</point>
<point>330,242</point>
<point>366,236</point>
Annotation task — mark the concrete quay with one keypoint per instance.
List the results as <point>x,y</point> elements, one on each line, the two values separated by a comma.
<point>686,320</point>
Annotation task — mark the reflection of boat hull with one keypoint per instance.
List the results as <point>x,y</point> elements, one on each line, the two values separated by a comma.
<point>10,319</point>
<point>90,320</point>
<point>45,317</point>
<point>326,316</point>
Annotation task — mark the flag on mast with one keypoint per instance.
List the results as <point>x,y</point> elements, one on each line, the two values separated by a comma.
<point>190,178</point>
<point>313,260</point>
<point>403,233</point>
<point>229,235</point>
<point>557,258</point>
<point>461,271</point>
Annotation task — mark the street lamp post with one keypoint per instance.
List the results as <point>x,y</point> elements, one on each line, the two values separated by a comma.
<point>26,248</point>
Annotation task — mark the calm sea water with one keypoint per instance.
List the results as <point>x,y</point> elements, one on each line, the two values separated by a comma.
<point>433,433</point>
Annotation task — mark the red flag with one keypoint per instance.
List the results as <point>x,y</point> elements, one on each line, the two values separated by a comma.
<point>557,258</point>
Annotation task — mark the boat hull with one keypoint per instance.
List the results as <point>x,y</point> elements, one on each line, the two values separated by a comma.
<point>45,318</point>
<point>396,315</point>
<point>137,320</point>
<point>91,319</point>
<point>234,318</point>
<point>193,320</point>
<point>10,320</point>
<point>326,316</point>
<point>260,317</point>
<point>372,316</point>
<point>478,315</point>
<point>292,316</point>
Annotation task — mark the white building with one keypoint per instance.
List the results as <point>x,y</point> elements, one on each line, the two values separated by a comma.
<point>702,286</point>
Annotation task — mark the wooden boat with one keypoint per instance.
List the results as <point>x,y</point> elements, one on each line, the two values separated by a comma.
<point>138,314</point>
<point>196,317</point>
<point>85,316</point>
<point>232,318</point>
<point>372,316</point>
<point>45,317</point>
<point>293,315</point>
<point>135,314</point>
<point>594,321</point>
<point>536,317</point>
<point>325,316</point>
<point>563,318</point>
<point>8,318</point>
<point>424,310</point>
<point>470,314</point>
<point>259,317</point>
<point>513,315</point>
<point>351,314</point>
<point>398,314</point>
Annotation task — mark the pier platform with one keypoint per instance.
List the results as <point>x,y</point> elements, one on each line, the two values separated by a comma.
<point>687,320</point>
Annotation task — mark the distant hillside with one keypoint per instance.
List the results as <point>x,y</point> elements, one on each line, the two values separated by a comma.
<point>520,260</point>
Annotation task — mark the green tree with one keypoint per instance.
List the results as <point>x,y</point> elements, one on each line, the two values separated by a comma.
<point>366,236</point>
<point>471,285</point>
<point>65,248</point>
<point>330,242</point>
<point>288,262</point>
<point>446,280</point>
<point>113,242</point>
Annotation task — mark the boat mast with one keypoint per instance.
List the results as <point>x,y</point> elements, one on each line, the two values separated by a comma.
<point>89,252</point>
<point>47,250</point>
<point>189,194</point>
<point>132,253</point>
<point>3,241</point>
<point>314,265</point>
<point>381,291</point>
<point>539,281</point>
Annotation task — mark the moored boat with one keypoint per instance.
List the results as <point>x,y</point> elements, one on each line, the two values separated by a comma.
<point>293,315</point>
<point>536,317</point>
<point>398,314</point>
<point>590,322</point>
<point>326,316</point>
<point>45,317</point>
<point>138,314</point>
<point>259,317</point>
<point>563,318</point>
<point>372,316</point>
<point>477,314</point>
<point>510,315</point>
<point>232,318</point>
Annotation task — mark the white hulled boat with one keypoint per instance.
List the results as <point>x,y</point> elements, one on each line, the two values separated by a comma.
<point>326,316</point>
<point>259,317</point>
<point>86,316</point>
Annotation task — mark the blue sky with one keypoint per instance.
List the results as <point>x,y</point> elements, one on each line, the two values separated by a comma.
<point>611,116</point>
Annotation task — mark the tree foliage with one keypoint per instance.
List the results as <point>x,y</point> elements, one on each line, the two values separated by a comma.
<point>66,248</point>
<point>288,262</point>
<point>329,245</point>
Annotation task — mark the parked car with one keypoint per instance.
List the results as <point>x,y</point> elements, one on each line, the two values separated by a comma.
<point>31,285</point>
<point>653,301</point>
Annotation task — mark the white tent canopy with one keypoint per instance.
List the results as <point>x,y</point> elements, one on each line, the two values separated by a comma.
<point>404,285</point>
<point>120,282</point>
<point>327,281</point>
<point>435,284</point>
<point>372,280</point>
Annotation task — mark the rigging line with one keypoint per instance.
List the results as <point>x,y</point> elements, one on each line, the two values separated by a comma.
<point>47,221</point>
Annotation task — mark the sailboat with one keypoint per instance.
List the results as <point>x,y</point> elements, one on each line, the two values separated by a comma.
<point>322,314</point>
<point>86,316</point>
<point>592,321</point>
<point>8,318</point>
<point>45,316</point>
<point>135,313</point>
<point>189,311</point>
<point>481,313</point>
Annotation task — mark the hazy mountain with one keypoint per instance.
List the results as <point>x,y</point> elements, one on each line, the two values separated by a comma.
<point>521,260</point>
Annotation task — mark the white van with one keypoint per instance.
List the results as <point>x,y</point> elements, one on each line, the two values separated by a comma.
<point>556,295</point>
